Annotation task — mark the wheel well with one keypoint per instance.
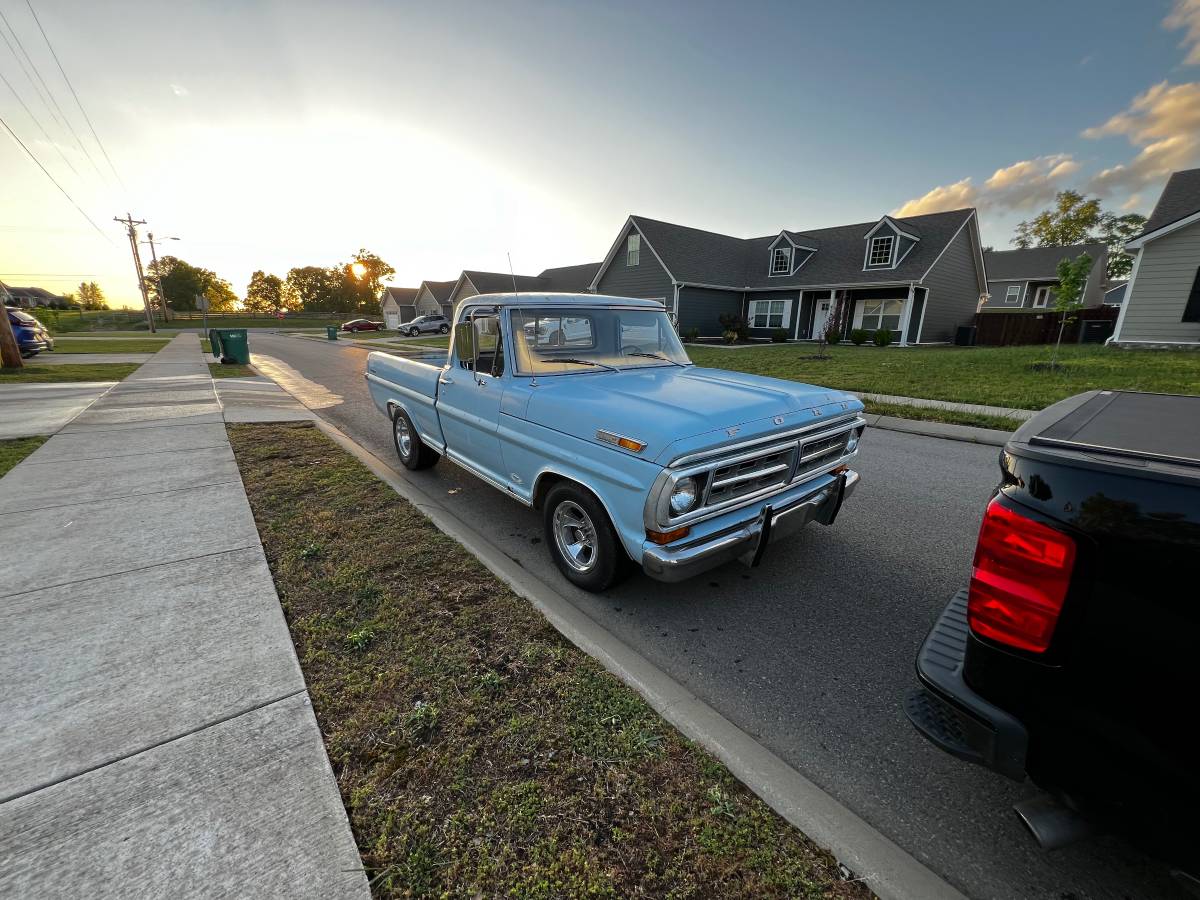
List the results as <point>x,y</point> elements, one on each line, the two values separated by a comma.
<point>545,484</point>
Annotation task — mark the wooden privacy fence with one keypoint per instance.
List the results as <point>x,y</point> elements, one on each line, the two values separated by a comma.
<point>1003,327</point>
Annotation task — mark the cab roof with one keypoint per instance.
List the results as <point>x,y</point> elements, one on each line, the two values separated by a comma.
<point>542,299</point>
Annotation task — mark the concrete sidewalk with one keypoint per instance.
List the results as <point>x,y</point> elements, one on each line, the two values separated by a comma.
<point>157,736</point>
<point>28,409</point>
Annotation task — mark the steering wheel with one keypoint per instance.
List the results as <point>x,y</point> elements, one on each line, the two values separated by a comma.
<point>630,349</point>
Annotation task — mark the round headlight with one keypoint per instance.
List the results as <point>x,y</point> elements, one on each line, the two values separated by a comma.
<point>852,442</point>
<point>683,496</point>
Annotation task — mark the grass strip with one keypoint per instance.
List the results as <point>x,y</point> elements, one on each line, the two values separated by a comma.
<point>994,376</point>
<point>230,370</point>
<point>116,345</point>
<point>949,416</point>
<point>477,751</point>
<point>35,374</point>
<point>13,450</point>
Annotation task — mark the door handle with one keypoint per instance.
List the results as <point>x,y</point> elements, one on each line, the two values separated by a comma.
<point>446,380</point>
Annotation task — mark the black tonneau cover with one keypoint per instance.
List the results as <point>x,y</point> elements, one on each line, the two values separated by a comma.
<point>1163,427</point>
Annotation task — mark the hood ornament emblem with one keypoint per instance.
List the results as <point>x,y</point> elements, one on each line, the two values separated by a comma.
<point>778,420</point>
<point>731,431</point>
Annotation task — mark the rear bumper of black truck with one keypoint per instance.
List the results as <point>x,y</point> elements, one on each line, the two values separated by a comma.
<point>951,715</point>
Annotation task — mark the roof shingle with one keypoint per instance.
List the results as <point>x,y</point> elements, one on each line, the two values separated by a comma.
<point>1036,262</point>
<point>1180,199</point>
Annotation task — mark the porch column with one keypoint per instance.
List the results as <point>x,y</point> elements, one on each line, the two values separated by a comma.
<point>904,317</point>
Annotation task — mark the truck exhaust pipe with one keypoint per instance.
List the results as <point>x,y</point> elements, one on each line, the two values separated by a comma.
<point>1053,825</point>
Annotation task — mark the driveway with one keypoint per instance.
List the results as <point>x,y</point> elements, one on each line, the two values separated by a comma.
<point>813,651</point>
<point>28,409</point>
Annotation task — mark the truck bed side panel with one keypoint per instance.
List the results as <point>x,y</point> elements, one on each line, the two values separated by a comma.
<point>410,384</point>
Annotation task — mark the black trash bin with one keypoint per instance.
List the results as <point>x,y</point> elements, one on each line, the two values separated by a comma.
<point>964,336</point>
<point>1095,331</point>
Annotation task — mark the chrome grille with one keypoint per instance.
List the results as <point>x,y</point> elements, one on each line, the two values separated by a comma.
<point>821,452</point>
<point>748,476</point>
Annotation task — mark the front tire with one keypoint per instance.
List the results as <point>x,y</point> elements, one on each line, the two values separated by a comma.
<point>414,332</point>
<point>582,540</point>
<point>413,452</point>
<point>445,329</point>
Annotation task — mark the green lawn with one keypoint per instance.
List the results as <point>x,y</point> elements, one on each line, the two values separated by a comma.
<point>116,345</point>
<point>91,372</point>
<point>996,376</point>
<point>426,343</point>
<point>230,370</point>
<point>478,753</point>
<point>14,450</point>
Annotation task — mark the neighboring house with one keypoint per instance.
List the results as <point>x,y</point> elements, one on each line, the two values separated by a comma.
<point>920,277</point>
<point>29,297</point>
<point>1027,279</point>
<point>1115,295</point>
<point>560,280</point>
<point>398,305</point>
<point>433,298</point>
<point>1162,301</point>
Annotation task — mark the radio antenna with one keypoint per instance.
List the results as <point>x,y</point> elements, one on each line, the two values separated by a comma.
<point>510,271</point>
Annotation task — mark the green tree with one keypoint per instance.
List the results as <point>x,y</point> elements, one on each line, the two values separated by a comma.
<point>182,283</point>
<point>1068,296</point>
<point>264,293</point>
<point>1075,219</point>
<point>374,272</point>
<point>1115,231</point>
<point>312,288</point>
<point>90,296</point>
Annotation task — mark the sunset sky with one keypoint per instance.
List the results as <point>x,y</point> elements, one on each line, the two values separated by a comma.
<point>445,135</point>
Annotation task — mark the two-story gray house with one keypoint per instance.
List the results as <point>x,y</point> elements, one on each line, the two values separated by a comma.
<point>1027,279</point>
<point>561,279</point>
<point>1162,299</point>
<point>920,276</point>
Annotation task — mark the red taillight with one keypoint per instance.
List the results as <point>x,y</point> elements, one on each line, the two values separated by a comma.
<point>1021,573</point>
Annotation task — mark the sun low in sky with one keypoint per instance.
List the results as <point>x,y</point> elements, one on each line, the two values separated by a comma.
<point>447,136</point>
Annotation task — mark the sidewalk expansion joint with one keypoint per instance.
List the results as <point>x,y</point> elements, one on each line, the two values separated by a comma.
<point>167,740</point>
<point>77,459</point>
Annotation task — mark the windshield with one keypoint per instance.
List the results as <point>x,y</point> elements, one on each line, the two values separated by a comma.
<point>553,341</point>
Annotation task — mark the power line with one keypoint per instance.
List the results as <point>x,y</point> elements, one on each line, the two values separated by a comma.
<point>49,140</point>
<point>46,172</point>
<point>78,103</point>
<point>20,62</point>
<point>65,121</point>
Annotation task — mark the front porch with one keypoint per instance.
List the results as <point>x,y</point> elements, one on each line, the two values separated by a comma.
<point>897,308</point>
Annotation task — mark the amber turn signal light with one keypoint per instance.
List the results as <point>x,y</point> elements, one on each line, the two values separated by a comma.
<point>631,444</point>
<point>665,537</point>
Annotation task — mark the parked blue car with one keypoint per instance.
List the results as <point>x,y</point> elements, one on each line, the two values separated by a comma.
<point>588,409</point>
<point>32,337</point>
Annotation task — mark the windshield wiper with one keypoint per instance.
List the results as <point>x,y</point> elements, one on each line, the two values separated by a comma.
<point>658,356</point>
<point>583,362</point>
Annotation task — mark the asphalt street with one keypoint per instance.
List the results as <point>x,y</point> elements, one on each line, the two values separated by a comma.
<point>813,651</point>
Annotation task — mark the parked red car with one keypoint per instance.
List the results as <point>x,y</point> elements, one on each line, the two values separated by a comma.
<point>362,325</point>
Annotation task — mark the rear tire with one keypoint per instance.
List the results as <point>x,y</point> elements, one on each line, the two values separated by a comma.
<point>445,329</point>
<point>582,540</point>
<point>413,452</point>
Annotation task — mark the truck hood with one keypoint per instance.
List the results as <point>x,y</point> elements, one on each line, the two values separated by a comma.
<point>681,410</point>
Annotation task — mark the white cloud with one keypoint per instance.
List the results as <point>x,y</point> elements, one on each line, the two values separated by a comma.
<point>1164,122</point>
<point>1186,16</point>
<point>1021,185</point>
<point>1134,201</point>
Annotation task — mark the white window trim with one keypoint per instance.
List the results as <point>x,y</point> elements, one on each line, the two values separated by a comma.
<point>787,312</point>
<point>630,250</point>
<point>893,239</point>
<point>787,256</point>
<point>1043,291</point>
<point>1009,299</point>
<point>903,301</point>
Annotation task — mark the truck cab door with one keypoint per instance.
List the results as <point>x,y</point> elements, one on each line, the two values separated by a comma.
<point>469,393</point>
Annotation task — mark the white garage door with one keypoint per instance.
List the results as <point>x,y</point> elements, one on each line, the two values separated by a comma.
<point>391,319</point>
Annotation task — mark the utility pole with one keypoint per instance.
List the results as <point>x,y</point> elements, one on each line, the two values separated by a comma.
<point>162,297</point>
<point>10,351</point>
<point>131,229</point>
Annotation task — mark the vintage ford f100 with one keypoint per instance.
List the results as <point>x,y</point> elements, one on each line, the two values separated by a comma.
<point>587,408</point>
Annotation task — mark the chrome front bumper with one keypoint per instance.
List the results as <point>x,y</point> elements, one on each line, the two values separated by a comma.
<point>750,538</point>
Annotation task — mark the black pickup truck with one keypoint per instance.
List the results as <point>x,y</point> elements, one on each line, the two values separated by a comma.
<point>1073,657</point>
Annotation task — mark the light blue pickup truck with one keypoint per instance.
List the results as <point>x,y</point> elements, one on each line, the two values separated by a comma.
<point>588,409</point>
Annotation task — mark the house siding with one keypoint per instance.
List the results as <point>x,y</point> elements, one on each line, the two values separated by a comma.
<point>647,280</point>
<point>789,323</point>
<point>427,304</point>
<point>953,290</point>
<point>702,308</point>
<point>999,289</point>
<point>1156,300</point>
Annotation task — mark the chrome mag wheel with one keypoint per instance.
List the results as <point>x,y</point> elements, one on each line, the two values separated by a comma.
<point>575,536</point>
<point>404,435</point>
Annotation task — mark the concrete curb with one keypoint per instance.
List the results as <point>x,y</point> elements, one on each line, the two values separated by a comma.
<point>968,433</point>
<point>890,871</point>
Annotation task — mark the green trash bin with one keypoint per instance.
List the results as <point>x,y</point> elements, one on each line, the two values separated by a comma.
<point>214,342</point>
<point>331,332</point>
<point>235,345</point>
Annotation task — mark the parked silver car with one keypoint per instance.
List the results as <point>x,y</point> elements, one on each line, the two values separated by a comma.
<point>426,325</point>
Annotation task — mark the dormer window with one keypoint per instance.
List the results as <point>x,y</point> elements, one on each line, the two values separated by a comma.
<point>633,250</point>
<point>880,253</point>
<point>781,261</point>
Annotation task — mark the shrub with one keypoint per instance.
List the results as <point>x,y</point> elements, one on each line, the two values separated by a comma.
<point>779,335</point>
<point>736,324</point>
<point>691,335</point>
<point>730,337</point>
<point>883,337</point>
<point>858,337</point>
<point>833,334</point>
